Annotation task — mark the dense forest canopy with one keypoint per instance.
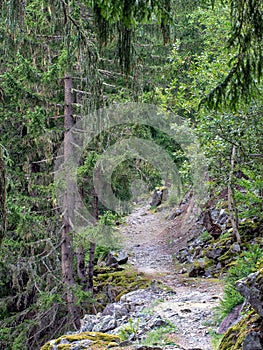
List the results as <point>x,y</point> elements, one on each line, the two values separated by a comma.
<point>61,60</point>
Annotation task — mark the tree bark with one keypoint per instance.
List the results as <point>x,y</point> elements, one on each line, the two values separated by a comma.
<point>81,270</point>
<point>91,266</point>
<point>233,214</point>
<point>67,262</point>
<point>2,198</point>
<point>92,244</point>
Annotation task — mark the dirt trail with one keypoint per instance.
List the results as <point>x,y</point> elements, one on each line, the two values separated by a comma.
<point>191,305</point>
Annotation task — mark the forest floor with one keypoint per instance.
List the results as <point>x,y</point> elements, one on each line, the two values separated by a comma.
<point>148,237</point>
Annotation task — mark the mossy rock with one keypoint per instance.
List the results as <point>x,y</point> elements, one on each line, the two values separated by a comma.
<point>102,270</point>
<point>222,246</point>
<point>227,257</point>
<point>112,344</point>
<point>250,229</point>
<point>98,339</point>
<point>197,269</point>
<point>234,337</point>
<point>120,282</point>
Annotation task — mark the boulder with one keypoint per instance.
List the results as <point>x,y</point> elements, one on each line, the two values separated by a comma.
<point>157,321</point>
<point>115,309</point>
<point>116,258</point>
<point>107,323</point>
<point>214,253</point>
<point>183,255</point>
<point>82,341</point>
<point>87,323</point>
<point>237,337</point>
<point>160,194</point>
<point>252,341</point>
<point>247,332</point>
<point>251,288</point>
<point>197,269</point>
<point>230,319</point>
<point>235,248</point>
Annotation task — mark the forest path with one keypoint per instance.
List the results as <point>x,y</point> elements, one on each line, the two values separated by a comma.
<point>190,308</point>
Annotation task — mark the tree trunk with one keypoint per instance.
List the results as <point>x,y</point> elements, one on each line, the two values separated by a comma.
<point>165,27</point>
<point>92,244</point>
<point>91,266</point>
<point>81,270</point>
<point>2,198</point>
<point>233,215</point>
<point>68,209</point>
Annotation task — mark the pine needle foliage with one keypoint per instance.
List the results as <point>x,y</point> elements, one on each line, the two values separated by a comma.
<point>243,79</point>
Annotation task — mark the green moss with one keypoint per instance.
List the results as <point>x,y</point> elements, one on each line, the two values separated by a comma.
<point>122,282</point>
<point>118,297</point>
<point>227,256</point>
<point>234,337</point>
<point>47,346</point>
<point>112,344</point>
<point>259,279</point>
<point>99,339</point>
<point>250,229</point>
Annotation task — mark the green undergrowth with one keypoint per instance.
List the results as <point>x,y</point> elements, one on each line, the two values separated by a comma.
<point>131,329</point>
<point>250,233</point>
<point>161,335</point>
<point>248,261</point>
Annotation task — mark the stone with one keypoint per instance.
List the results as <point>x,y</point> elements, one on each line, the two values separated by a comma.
<point>125,343</point>
<point>222,218</point>
<point>183,270</point>
<point>160,194</point>
<point>145,347</point>
<point>114,309</point>
<point>214,253</point>
<point>112,345</point>
<point>83,344</point>
<point>183,255</point>
<point>81,340</point>
<point>111,259</point>
<point>106,324</point>
<point>114,259</point>
<point>251,288</point>
<point>230,319</point>
<point>235,248</point>
<point>176,213</point>
<point>197,269</point>
<point>87,323</point>
<point>122,257</point>
<point>157,322</point>
<point>212,228</point>
<point>156,198</point>
<point>252,341</point>
<point>138,297</point>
